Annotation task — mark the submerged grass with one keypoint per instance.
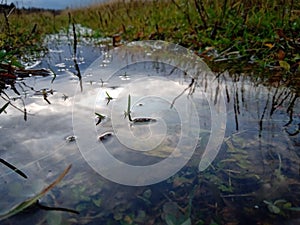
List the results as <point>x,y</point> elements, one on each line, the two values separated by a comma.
<point>34,200</point>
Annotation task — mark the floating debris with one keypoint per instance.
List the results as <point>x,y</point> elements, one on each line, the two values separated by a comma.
<point>143,120</point>
<point>71,138</point>
<point>105,136</point>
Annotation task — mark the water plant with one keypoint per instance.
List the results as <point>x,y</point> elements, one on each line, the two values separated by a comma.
<point>138,120</point>
<point>127,113</point>
<point>280,206</point>
<point>100,118</point>
<point>108,98</point>
<point>35,199</point>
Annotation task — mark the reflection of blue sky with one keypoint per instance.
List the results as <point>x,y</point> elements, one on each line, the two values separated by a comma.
<point>52,4</point>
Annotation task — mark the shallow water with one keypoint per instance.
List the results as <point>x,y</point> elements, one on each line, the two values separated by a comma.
<point>151,172</point>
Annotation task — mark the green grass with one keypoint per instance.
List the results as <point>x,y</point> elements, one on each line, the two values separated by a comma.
<point>239,30</point>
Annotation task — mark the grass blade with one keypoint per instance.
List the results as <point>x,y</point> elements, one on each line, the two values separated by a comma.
<point>128,108</point>
<point>31,201</point>
<point>13,168</point>
<point>4,107</point>
<point>56,209</point>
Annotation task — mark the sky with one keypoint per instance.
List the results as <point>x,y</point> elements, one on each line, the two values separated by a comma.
<point>50,4</point>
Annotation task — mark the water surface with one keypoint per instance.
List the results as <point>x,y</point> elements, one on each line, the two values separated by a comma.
<point>253,180</point>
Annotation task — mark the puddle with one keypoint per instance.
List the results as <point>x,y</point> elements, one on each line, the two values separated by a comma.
<point>176,115</point>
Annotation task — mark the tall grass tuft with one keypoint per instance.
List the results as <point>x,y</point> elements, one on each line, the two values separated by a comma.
<point>255,29</point>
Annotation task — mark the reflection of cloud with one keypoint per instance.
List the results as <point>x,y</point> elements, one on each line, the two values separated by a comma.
<point>52,4</point>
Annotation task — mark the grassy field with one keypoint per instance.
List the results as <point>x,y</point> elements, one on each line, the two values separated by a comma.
<point>228,34</point>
